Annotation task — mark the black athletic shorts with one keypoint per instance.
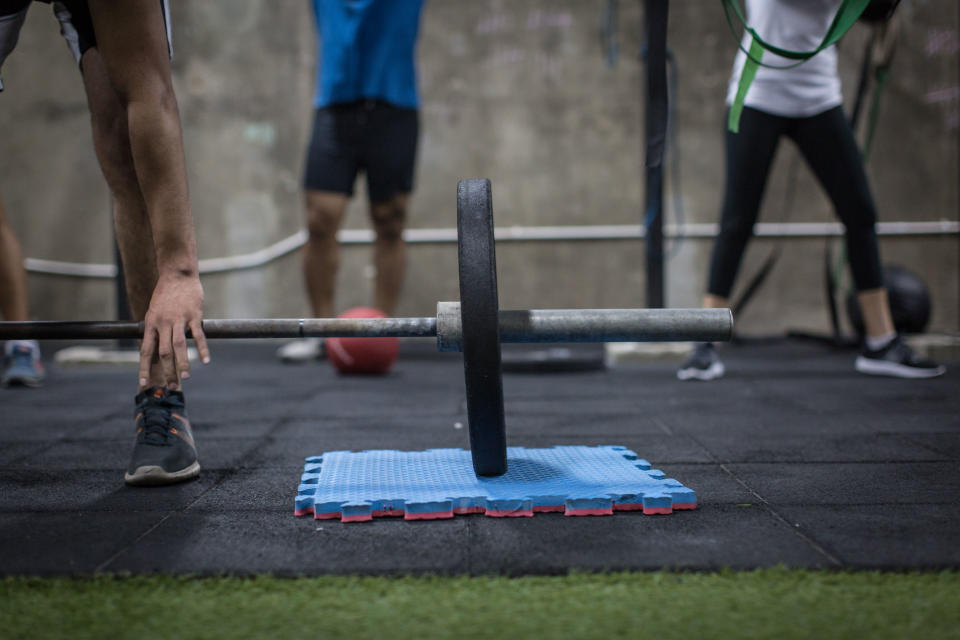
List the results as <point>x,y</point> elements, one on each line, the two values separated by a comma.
<point>369,135</point>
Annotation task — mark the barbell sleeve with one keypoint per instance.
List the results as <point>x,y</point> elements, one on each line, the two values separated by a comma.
<point>616,325</point>
<point>593,325</point>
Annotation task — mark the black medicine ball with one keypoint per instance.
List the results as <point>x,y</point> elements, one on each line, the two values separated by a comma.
<point>909,301</point>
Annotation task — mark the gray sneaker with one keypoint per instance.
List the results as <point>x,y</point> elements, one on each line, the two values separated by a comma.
<point>23,364</point>
<point>897,360</point>
<point>164,452</point>
<point>703,363</point>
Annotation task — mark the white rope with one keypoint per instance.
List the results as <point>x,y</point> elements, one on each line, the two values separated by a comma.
<point>290,244</point>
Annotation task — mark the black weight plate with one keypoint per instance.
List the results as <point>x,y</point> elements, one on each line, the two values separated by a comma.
<point>479,312</point>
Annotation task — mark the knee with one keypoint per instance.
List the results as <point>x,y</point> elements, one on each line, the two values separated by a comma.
<point>109,128</point>
<point>862,225</point>
<point>735,230</point>
<point>389,220</point>
<point>150,90</point>
<point>857,210</point>
<point>112,141</point>
<point>860,232</point>
<point>322,222</point>
<point>864,222</point>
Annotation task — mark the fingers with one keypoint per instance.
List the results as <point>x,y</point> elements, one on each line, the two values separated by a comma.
<point>165,354</point>
<point>196,329</point>
<point>147,346</point>
<point>181,359</point>
<point>169,344</point>
<point>176,308</point>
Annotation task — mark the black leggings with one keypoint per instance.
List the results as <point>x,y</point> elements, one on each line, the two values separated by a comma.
<point>826,142</point>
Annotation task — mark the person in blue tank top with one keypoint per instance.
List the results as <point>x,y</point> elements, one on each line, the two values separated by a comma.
<point>366,51</point>
<point>366,119</point>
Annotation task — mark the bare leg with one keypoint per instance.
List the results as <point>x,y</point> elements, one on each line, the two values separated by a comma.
<point>876,312</point>
<point>132,226</point>
<point>389,250</point>
<point>111,142</point>
<point>321,255</point>
<point>711,301</point>
<point>13,277</point>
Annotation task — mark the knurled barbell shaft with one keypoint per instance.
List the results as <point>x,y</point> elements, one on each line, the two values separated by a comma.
<point>230,328</point>
<point>536,325</point>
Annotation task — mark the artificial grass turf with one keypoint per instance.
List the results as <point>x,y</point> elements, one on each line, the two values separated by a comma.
<point>769,603</point>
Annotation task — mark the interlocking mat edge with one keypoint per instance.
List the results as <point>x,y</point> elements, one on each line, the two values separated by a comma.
<point>358,486</point>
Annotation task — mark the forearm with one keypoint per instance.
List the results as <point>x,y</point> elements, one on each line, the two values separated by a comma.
<point>157,149</point>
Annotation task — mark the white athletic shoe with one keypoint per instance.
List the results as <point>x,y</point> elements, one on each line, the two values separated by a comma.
<point>302,350</point>
<point>897,360</point>
<point>702,364</point>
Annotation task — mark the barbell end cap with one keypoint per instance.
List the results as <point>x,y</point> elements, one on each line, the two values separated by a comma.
<point>449,327</point>
<point>729,327</point>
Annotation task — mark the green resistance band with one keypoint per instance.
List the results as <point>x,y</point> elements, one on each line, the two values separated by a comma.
<point>880,77</point>
<point>847,14</point>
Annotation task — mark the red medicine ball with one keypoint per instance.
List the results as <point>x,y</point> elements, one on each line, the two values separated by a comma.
<point>362,355</point>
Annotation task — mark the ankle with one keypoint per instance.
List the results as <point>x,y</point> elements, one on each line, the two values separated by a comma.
<point>875,343</point>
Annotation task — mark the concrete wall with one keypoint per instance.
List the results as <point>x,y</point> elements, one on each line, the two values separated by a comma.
<point>517,91</point>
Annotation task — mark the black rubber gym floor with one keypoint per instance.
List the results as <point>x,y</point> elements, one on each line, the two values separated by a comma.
<point>795,458</point>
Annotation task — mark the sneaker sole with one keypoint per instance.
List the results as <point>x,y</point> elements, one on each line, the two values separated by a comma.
<point>23,382</point>
<point>300,358</point>
<point>289,360</point>
<point>714,371</point>
<point>873,367</point>
<point>154,476</point>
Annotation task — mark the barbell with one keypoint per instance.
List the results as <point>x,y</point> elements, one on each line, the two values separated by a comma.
<point>515,325</point>
<point>475,325</point>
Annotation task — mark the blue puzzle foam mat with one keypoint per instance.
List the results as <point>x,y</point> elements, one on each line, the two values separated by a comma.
<point>439,483</point>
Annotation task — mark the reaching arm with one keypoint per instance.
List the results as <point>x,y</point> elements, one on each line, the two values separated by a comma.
<point>132,40</point>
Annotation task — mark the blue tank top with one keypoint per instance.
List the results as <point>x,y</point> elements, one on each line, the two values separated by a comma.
<point>366,50</point>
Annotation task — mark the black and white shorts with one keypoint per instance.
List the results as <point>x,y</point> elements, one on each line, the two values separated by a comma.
<point>75,25</point>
